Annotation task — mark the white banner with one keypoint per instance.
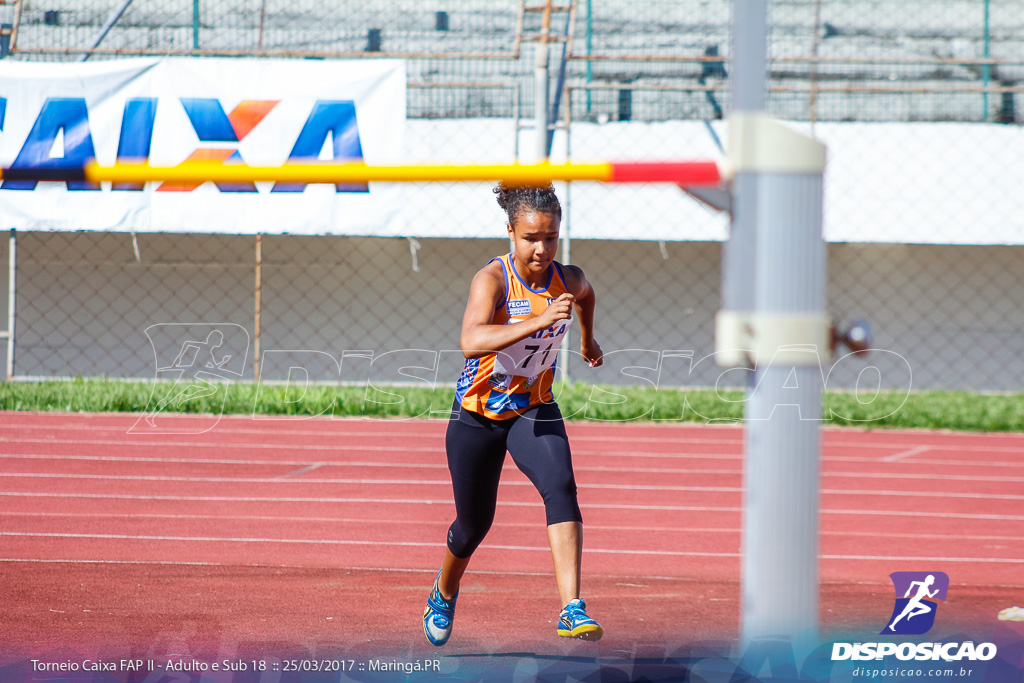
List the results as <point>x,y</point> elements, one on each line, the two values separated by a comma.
<point>887,182</point>
<point>166,111</point>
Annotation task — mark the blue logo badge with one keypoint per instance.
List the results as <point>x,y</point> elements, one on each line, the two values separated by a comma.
<point>519,307</point>
<point>916,595</point>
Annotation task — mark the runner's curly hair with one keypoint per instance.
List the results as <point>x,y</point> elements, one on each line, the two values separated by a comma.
<point>515,199</point>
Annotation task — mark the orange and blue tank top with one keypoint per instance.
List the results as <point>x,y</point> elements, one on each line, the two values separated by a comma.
<point>506,383</point>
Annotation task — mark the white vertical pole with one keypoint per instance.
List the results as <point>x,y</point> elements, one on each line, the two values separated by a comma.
<point>563,352</point>
<point>541,104</point>
<point>780,526</point>
<point>258,306</point>
<point>12,298</point>
<point>750,28</point>
<point>773,322</point>
<point>540,72</point>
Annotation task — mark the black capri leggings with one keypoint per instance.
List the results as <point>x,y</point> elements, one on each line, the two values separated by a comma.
<point>476,448</point>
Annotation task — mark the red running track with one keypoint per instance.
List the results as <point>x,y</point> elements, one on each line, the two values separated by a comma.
<point>271,536</point>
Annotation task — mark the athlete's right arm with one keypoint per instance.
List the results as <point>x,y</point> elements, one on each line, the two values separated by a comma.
<point>479,336</point>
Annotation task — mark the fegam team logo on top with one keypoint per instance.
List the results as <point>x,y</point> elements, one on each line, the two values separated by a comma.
<point>61,137</point>
<point>916,595</point>
<point>519,307</point>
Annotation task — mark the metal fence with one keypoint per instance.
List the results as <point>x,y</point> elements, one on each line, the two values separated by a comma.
<point>85,303</point>
<point>830,60</point>
<point>953,311</point>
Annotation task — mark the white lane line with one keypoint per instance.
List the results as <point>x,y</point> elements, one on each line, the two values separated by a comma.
<point>338,448</point>
<point>358,463</point>
<point>123,429</point>
<point>429,571</point>
<point>927,515</point>
<point>903,455</point>
<point>928,476</point>
<point>209,461</point>
<point>386,434</point>
<point>138,443</point>
<point>343,430</point>
<point>391,436</point>
<point>907,558</point>
<point>393,447</point>
<point>346,481</point>
<point>440,453</point>
<point>446,483</point>
<point>332,541</point>
<point>212,539</point>
<point>516,548</point>
<point>924,494</point>
<point>407,501</point>
<point>396,570</point>
<point>290,499</point>
<point>131,516</point>
<point>146,562</point>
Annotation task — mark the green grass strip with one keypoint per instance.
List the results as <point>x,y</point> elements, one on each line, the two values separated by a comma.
<point>962,411</point>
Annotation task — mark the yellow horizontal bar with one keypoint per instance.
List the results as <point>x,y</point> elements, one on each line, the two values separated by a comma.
<point>192,172</point>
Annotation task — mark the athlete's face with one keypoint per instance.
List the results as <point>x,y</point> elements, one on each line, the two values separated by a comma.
<point>535,238</point>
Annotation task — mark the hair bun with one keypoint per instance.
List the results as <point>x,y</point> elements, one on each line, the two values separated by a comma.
<point>517,197</point>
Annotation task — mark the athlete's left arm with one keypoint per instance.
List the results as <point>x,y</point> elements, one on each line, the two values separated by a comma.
<point>586,301</point>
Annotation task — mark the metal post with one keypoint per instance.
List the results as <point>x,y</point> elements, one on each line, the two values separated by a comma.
<point>12,280</point>
<point>263,19</point>
<point>750,45</point>
<point>563,352</point>
<point>515,122</point>
<point>5,39</point>
<point>17,23</point>
<point>560,83</point>
<point>750,30</point>
<point>814,65</point>
<point>111,20</point>
<point>986,68</point>
<point>541,87</point>
<point>773,322</point>
<point>590,48</point>
<point>195,24</point>
<point>258,305</point>
<point>780,557</point>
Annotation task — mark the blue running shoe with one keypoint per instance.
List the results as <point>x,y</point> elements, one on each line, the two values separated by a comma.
<point>438,615</point>
<point>573,622</point>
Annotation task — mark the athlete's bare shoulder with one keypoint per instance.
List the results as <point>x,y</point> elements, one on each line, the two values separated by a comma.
<point>494,269</point>
<point>488,285</point>
<point>575,281</point>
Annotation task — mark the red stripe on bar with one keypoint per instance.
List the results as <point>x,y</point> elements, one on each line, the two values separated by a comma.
<point>681,173</point>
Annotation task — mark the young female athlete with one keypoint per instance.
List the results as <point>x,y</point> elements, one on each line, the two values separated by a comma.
<point>520,306</point>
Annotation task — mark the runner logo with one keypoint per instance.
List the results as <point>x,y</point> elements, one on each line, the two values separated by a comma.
<point>197,360</point>
<point>916,595</point>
